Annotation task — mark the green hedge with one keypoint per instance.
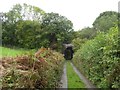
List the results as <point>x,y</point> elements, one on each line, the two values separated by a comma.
<point>99,60</point>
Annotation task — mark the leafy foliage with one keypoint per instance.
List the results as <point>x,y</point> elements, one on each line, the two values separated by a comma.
<point>30,27</point>
<point>105,21</point>
<point>28,34</point>
<point>81,36</point>
<point>22,18</point>
<point>99,59</point>
<point>87,33</point>
<point>77,42</point>
<point>57,29</point>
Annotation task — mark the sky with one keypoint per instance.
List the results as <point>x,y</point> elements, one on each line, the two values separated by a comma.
<point>82,13</point>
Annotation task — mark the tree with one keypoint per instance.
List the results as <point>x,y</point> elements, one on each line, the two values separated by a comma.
<point>78,42</point>
<point>56,29</point>
<point>28,34</point>
<point>105,21</point>
<point>19,15</point>
<point>87,33</point>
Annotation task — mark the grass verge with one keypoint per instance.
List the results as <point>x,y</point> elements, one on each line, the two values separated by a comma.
<point>8,52</point>
<point>73,79</point>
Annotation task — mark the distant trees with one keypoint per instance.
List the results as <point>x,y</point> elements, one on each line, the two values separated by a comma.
<point>28,34</point>
<point>87,33</point>
<point>81,36</point>
<point>30,27</point>
<point>17,20</point>
<point>57,29</point>
<point>105,21</point>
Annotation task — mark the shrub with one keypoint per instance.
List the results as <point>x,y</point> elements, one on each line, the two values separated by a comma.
<point>98,59</point>
<point>77,42</point>
<point>28,71</point>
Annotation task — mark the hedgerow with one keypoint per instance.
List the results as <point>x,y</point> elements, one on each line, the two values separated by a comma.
<point>98,59</point>
<point>42,70</point>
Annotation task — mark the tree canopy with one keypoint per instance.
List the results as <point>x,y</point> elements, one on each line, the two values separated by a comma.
<point>105,21</point>
<point>56,28</point>
<point>30,27</point>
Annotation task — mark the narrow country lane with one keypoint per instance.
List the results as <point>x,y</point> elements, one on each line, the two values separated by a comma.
<point>64,79</point>
<point>63,82</point>
<point>84,79</point>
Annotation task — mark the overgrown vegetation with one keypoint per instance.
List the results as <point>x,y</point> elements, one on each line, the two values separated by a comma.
<point>99,59</point>
<point>42,70</point>
<point>103,23</point>
<point>97,49</point>
<point>30,27</point>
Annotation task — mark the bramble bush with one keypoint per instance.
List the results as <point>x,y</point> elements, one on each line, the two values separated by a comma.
<point>42,70</point>
<point>98,59</point>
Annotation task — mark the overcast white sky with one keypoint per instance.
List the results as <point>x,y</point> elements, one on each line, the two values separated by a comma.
<point>81,12</point>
